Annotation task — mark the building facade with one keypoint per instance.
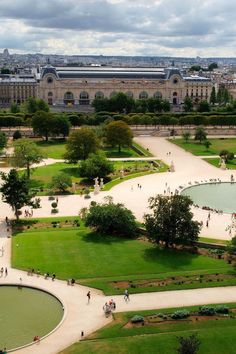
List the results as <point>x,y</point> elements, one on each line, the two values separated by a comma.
<point>15,89</point>
<point>81,85</point>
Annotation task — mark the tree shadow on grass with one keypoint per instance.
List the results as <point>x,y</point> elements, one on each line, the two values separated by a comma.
<point>95,237</point>
<point>172,259</point>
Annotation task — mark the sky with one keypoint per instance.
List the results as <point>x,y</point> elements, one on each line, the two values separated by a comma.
<point>185,28</point>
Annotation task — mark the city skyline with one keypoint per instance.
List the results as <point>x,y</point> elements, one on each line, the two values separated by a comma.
<point>118,27</point>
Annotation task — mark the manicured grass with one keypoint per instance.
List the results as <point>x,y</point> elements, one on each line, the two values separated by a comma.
<point>216,337</point>
<point>200,150</point>
<point>213,240</point>
<point>125,152</point>
<point>89,258</point>
<point>231,165</point>
<point>52,148</point>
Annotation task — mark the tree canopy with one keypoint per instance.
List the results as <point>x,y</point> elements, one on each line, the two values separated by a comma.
<point>171,220</point>
<point>80,144</point>
<point>110,218</point>
<point>15,192</point>
<point>200,134</point>
<point>96,165</point>
<point>26,153</point>
<point>61,182</point>
<point>118,133</point>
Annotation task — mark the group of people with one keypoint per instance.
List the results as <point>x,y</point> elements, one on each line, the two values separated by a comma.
<point>71,281</point>
<point>109,307</point>
<point>32,271</point>
<point>28,213</point>
<point>4,270</point>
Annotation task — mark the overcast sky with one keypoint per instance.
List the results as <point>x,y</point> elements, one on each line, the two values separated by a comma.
<point>119,27</point>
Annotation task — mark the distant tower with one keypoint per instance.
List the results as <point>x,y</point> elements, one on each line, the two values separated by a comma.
<point>6,54</point>
<point>173,63</point>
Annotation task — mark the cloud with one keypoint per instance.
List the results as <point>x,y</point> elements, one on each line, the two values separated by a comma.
<point>131,27</point>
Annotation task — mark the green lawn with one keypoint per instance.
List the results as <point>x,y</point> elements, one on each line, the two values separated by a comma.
<point>76,252</point>
<point>216,337</point>
<point>200,150</point>
<point>231,165</point>
<point>52,148</point>
<point>42,176</point>
<point>56,149</point>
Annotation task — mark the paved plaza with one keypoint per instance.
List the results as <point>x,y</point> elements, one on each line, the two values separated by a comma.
<point>81,316</point>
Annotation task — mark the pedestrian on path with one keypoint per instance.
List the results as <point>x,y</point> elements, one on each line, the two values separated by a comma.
<point>89,296</point>
<point>6,272</point>
<point>126,295</point>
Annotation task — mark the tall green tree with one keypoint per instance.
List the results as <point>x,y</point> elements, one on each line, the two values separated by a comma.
<point>200,134</point>
<point>43,123</point>
<point>3,140</point>
<point>61,126</point>
<point>26,153</point>
<point>188,104</point>
<point>203,106</point>
<point>34,105</point>
<point>80,144</point>
<point>171,220</point>
<point>15,108</point>
<point>96,165</point>
<point>15,192</point>
<point>61,182</point>
<point>119,134</point>
<point>186,136</point>
<point>213,95</point>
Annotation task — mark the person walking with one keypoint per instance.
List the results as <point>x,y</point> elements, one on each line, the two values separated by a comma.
<point>6,272</point>
<point>89,296</point>
<point>126,295</point>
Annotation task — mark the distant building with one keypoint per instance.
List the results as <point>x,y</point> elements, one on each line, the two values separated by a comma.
<point>6,54</point>
<point>81,85</point>
<point>16,89</point>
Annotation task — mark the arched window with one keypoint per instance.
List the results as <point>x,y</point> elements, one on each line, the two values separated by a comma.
<point>84,95</point>
<point>143,95</point>
<point>49,80</point>
<point>157,94</point>
<point>50,94</point>
<point>175,94</point>
<point>68,96</point>
<point>99,94</point>
<point>129,94</point>
<point>113,93</point>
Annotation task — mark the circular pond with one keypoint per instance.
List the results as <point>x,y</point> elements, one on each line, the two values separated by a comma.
<point>220,196</point>
<point>26,313</point>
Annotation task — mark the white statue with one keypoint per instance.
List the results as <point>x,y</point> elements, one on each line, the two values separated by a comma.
<point>122,173</point>
<point>101,183</point>
<point>172,167</point>
<point>96,186</point>
<point>222,164</point>
<point>151,166</point>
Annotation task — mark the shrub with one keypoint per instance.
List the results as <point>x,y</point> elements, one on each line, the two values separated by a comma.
<point>54,205</point>
<point>54,211</point>
<point>137,319</point>
<point>17,135</point>
<point>222,309</point>
<point>51,197</point>
<point>207,310</point>
<point>179,314</point>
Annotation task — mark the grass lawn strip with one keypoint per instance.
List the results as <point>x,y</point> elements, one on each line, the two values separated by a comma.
<point>200,150</point>
<point>231,165</point>
<point>216,336</point>
<point>76,252</point>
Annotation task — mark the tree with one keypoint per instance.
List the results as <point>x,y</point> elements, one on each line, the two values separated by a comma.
<point>195,68</point>
<point>188,345</point>
<point>61,182</point>
<point>34,105</point>
<point>3,140</point>
<point>188,104</point>
<point>186,136</point>
<point>15,108</point>
<point>171,220</point>
<point>226,155</point>
<point>203,106</point>
<point>80,144</point>
<point>109,218</point>
<point>231,246</point>
<point>213,95</point>
<point>43,123</point>
<point>200,134</point>
<point>17,135</point>
<point>207,144</point>
<point>15,192</point>
<point>97,165</point>
<point>61,126</point>
<point>26,153</point>
<point>119,134</point>
<point>212,66</point>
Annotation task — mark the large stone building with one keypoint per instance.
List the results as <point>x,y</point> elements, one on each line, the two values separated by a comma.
<point>16,89</point>
<point>81,85</point>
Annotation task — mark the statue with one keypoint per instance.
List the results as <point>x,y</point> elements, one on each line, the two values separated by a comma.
<point>151,166</point>
<point>96,186</point>
<point>101,183</point>
<point>122,172</point>
<point>222,164</point>
<point>172,167</point>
